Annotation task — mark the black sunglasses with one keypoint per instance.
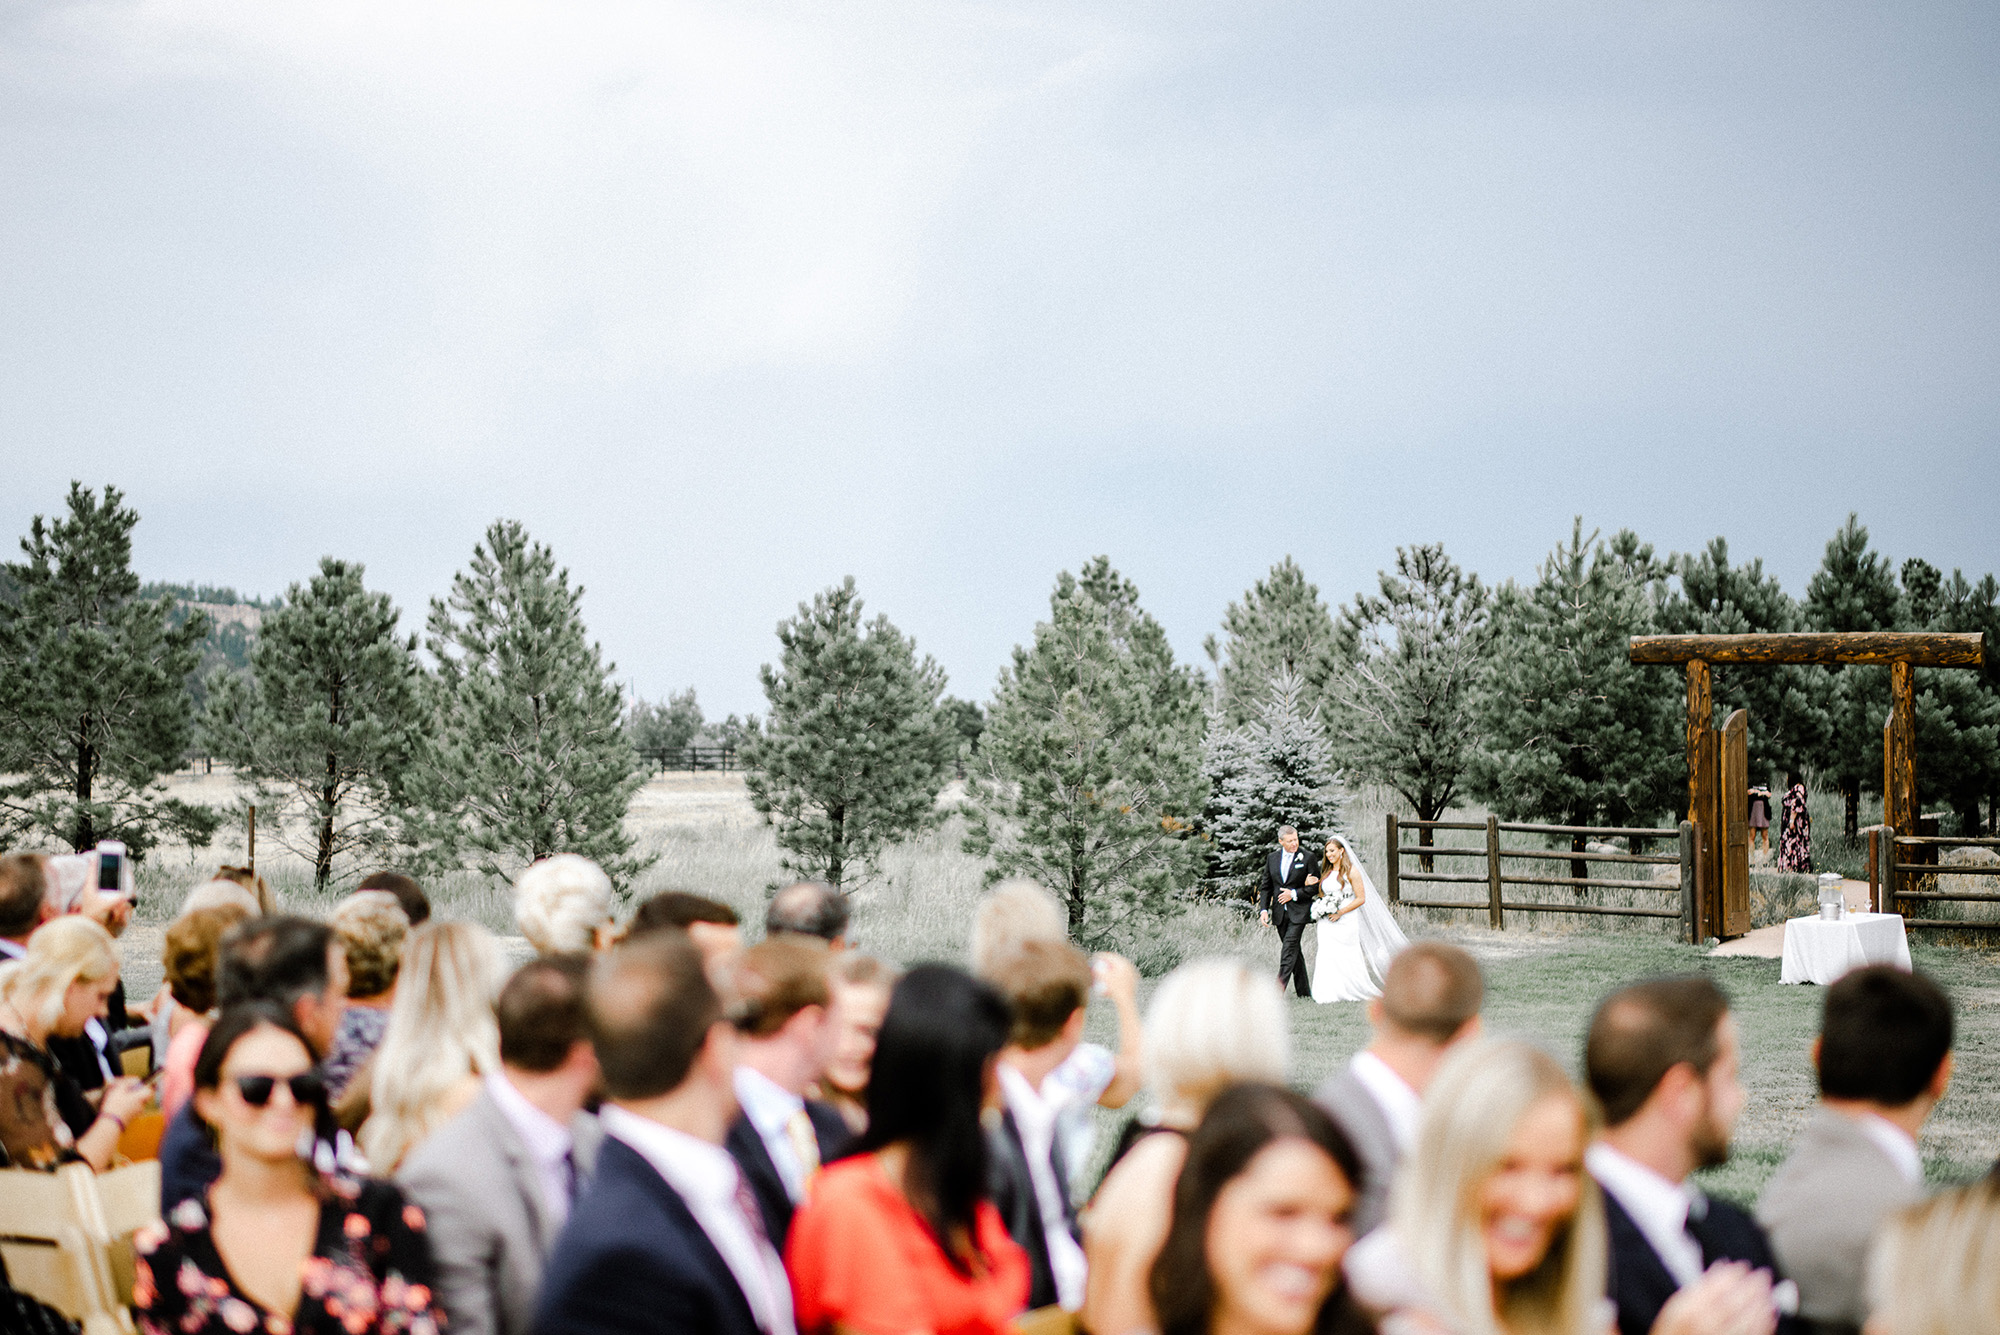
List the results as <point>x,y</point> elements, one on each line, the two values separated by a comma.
<point>308,1088</point>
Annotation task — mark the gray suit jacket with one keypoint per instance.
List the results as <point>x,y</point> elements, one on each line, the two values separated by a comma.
<point>1357,1114</point>
<point>489,1232</point>
<point>1822,1208</point>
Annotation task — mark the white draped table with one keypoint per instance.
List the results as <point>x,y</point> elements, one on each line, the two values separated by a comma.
<point>1817,951</point>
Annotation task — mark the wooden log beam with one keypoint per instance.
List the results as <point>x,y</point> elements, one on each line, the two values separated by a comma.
<point>1918,648</point>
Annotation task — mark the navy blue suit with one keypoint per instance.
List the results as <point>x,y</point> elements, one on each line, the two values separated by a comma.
<point>633,1261</point>
<point>774,1203</point>
<point>1640,1283</point>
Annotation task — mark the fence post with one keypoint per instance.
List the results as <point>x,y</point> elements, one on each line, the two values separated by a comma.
<point>1688,927</point>
<point>1494,915</point>
<point>1874,869</point>
<point>1888,866</point>
<point>1395,862</point>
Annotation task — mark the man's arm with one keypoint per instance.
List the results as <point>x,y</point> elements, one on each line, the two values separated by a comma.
<point>1266,889</point>
<point>1121,985</point>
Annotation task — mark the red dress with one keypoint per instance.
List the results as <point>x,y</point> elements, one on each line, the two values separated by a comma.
<point>860,1257</point>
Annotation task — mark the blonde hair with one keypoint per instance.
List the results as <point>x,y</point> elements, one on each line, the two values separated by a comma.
<point>561,902</point>
<point>221,894</point>
<point>1935,1267</point>
<point>371,926</point>
<point>63,951</point>
<point>1471,1110</point>
<point>1015,913</point>
<point>1211,1024</point>
<point>441,1032</point>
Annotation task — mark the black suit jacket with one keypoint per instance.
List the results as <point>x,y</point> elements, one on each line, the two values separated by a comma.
<point>1013,1191</point>
<point>1640,1283</point>
<point>1299,909</point>
<point>633,1261</point>
<point>754,1159</point>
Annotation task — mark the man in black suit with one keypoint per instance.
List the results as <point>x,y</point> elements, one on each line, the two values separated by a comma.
<point>1287,898</point>
<point>785,1033</point>
<point>665,1238</point>
<point>1662,1059</point>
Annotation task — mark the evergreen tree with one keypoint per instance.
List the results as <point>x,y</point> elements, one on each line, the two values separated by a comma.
<point>323,721</point>
<point>1958,712</point>
<point>1092,760</point>
<point>1402,706</point>
<point>854,751</point>
<point>1575,734</point>
<point>93,698</point>
<point>663,728</point>
<point>1854,590</point>
<point>1275,770</point>
<point>1281,625</point>
<point>1789,704</point>
<point>525,755</point>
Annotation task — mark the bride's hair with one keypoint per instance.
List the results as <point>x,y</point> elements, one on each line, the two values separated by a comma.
<point>1336,849</point>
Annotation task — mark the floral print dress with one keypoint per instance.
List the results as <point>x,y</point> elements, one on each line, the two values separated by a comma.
<point>370,1272</point>
<point>1795,844</point>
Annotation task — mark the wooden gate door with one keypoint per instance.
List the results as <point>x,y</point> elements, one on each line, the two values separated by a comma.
<point>1735,802</point>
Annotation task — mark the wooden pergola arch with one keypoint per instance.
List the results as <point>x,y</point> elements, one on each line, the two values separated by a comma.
<point>1717,773</point>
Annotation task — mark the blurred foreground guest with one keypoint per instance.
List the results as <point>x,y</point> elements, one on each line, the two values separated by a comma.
<point>666,1239</point>
<point>193,951</point>
<point>371,926</point>
<point>441,1039</point>
<point>1017,912</point>
<point>1047,985</point>
<point>899,1237</point>
<point>1260,1222</point>
<point>779,992</point>
<point>1795,838</point>
<point>23,899</point>
<point>1431,995</point>
<point>710,925</point>
<point>861,986</point>
<point>275,1246</point>
<point>267,903</point>
<point>1212,1023</point>
<point>1884,1059</point>
<point>809,908</point>
<point>563,905</point>
<point>296,964</point>
<point>218,894</point>
<point>59,984</point>
<point>1663,1061</point>
<point>416,905</point>
<point>1935,1267</point>
<point>498,1181</point>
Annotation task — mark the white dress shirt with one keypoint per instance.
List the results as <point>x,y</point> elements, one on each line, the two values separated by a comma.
<point>708,1180</point>
<point>1035,1118</point>
<point>1657,1206</point>
<point>1401,1107</point>
<point>1895,1142</point>
<point>770,1108</point>
<point>549,1144</point>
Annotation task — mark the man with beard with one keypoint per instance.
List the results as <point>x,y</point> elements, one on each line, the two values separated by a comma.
<point>1663,1060</point>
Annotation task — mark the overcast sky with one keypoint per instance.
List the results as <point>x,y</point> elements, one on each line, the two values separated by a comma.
<point>726,301</point>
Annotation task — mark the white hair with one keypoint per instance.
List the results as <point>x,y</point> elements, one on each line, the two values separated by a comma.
<point>218,894</point>
<point>1213,1023</point>
<point>441,1032</point>
<point>561,902</point>
<point>1015,913</point>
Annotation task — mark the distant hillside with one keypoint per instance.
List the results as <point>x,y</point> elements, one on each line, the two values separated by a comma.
<point>233,622</point>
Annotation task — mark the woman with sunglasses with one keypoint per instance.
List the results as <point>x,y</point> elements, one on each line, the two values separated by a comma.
<point>276,1246</point>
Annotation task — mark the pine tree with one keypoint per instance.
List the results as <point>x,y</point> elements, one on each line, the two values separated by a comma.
<point>1091,774</point>
<point>525,755</point>
<point>323,722</point>
<point>1854,590</point>
<point>93,697</point>
<point>854,751</point>
<point>1401,709</point>
<point>1789,704</point>
<point>1574,733</point>
<point>1281,625</point>
<point>1958,712</point>
<point>1275,770</point>
<point>665,727</point>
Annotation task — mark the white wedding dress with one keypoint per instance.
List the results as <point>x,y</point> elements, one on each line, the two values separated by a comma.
<point>1355,949</point>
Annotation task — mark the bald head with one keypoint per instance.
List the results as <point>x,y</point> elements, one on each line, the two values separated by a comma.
<point>1430,992</point>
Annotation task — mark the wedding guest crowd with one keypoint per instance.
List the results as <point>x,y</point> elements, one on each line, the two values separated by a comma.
<point>655,1127</point>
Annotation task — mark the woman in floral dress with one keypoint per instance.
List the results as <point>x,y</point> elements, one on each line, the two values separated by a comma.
<point>1795,843</point>
<point>275,1247</point>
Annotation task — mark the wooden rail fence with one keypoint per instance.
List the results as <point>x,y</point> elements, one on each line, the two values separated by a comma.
<point>1899,861</point>
<point>1496,878</point>
<point>690,758</point>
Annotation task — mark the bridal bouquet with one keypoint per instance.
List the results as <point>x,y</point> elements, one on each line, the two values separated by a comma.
<point>1333,901</point>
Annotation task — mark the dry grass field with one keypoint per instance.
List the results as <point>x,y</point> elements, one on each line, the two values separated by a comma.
<point>1544,977</point>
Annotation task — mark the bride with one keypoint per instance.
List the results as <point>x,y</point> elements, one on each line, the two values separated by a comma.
<point>1357,933</point>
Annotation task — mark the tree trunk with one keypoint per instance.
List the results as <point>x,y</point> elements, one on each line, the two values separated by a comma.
<point>323,855</point>
<point>1424,835</point>
<point>86,829</point>
<point>1851,790</point>
<point>1578,868</point>
<point>836,817</point>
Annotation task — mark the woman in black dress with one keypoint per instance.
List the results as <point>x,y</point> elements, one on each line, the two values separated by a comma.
<point>275,1247</point>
